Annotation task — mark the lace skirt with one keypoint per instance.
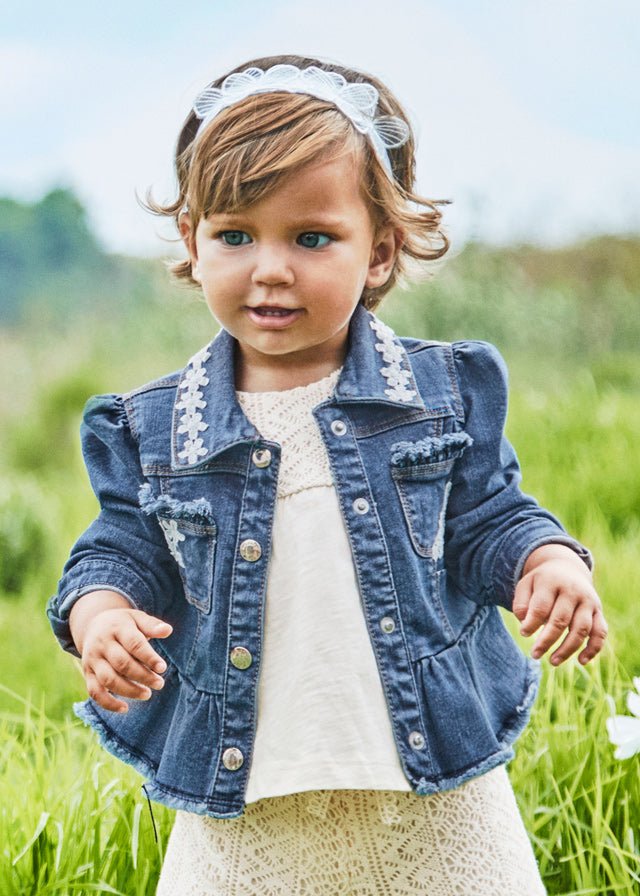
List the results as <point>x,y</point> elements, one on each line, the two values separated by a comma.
<point>470,840</point>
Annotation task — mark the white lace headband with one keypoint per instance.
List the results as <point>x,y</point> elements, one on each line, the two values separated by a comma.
<point>356,101</point>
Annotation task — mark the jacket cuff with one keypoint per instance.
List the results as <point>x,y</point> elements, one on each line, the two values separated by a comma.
<point>94,576</point>
<point>513,551</point>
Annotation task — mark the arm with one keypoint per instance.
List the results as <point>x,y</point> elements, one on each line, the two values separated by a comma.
<point>492,527</point>
<point>556,588</point>
<point>123,552</point>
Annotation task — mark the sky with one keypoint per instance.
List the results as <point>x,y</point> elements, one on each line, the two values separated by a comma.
<point>527,112</point>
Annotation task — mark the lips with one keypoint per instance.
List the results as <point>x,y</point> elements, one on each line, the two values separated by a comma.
<point>273,317</point>
<point>273,309</point>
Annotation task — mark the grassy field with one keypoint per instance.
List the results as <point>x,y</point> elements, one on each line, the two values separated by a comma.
<point>75,820</point>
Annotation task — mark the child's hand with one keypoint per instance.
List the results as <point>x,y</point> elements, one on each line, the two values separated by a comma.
<point>117,656</point>
<point>556,589</point>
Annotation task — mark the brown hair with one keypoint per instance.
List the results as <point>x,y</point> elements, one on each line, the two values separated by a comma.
<point>246,150</point>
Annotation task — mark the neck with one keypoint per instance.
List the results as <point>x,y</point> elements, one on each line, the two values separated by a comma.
<point>255,377</point>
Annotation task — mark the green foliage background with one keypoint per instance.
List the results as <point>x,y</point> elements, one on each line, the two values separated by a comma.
<point>73,819</point>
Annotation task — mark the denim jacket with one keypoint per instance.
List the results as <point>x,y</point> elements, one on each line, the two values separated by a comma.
<point>439,533</point>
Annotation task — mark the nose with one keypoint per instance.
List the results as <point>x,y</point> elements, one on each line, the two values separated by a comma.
<point>272,266</point>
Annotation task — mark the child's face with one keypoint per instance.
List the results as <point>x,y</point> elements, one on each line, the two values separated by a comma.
<point>308,247</point>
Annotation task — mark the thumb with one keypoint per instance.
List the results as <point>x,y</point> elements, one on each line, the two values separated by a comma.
<point>151,626</point>
<point>521,598</point>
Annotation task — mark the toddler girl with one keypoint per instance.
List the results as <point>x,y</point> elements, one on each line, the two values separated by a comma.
<point>287,609</point>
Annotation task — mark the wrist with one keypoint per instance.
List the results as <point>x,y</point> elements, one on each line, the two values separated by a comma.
<point>554,551</point>
<point>87,607</point>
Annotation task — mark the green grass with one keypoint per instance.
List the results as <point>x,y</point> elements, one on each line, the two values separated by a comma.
<point>73,819</point>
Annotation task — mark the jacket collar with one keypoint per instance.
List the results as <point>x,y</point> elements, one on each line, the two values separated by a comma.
<point>207,417</point>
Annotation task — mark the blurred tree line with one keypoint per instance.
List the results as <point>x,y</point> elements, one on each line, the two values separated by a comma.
<point>51,263</point>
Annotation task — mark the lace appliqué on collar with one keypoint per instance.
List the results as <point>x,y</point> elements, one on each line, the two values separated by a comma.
<point>192,402</point>
<point>393,353</point>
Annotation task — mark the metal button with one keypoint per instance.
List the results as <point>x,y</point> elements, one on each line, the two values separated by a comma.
<point>232,758</point>
<point>261,457</point>
<point>241,657</point>
<point>338,427</point>
<point>416,740</point>
<point>250,550</point>
<point>361,505</point>
<point>387,624</point>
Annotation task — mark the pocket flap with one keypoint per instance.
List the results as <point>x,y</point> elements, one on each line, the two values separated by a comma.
<point>196,512</point>
<point>430,450</point>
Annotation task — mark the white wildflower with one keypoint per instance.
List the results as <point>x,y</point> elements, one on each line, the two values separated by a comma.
<point>624,731</point>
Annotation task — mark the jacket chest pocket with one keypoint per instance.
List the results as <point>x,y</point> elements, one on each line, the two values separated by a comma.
<point>191,535</point>
<point>193,547</point>
<point>421,471</point>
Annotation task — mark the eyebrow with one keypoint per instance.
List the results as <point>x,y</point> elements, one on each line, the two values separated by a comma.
<point>308,221</point>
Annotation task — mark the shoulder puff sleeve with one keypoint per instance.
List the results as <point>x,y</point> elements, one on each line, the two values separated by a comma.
<point>123,550</point>
<point>491,526</point>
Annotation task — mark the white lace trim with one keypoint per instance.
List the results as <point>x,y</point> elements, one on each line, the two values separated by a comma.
<point>393,353</point>
<point>192,402</point>
<point>286,417</point>
<point>173,537</point>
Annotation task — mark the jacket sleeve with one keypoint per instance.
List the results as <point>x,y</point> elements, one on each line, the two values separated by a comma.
<point>491,526</point>
<point>123,550</point>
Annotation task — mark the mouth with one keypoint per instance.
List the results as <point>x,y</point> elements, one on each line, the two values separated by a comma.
<point>273,316</point>
<point>268,310</point>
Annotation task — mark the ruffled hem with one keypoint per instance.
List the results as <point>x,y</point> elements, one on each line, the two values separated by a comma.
<point>476,680</point>
<point>486,687</point>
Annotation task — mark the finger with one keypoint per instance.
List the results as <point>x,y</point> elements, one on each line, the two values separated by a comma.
<point>135,643</point>
<point>108,678</point>
<point>540,608</point>
<point>599,631</point>
<point>128,667</point>
<point>558,620</point>
<point>102,696</point>
<point>521,598</point>
<point>579,631</point>
<point>151,626</point>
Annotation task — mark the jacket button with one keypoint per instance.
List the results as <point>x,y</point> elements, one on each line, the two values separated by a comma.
<point>232,758</point>
<point>416,740</point>
<point>250,550</point>
<point>241,657</point>
<point>387,624</point>
<point>338,427</point>
<point>361,505</point>
<point>261,457</point>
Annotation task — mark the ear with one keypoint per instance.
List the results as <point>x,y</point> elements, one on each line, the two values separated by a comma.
<point>188,234</point>
<point>386,246</point>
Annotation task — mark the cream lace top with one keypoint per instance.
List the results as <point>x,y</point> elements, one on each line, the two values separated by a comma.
<point>322,720</point>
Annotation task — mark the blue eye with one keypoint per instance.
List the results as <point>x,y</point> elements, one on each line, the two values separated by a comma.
<point>314,240</point>
<point>234,237</point>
